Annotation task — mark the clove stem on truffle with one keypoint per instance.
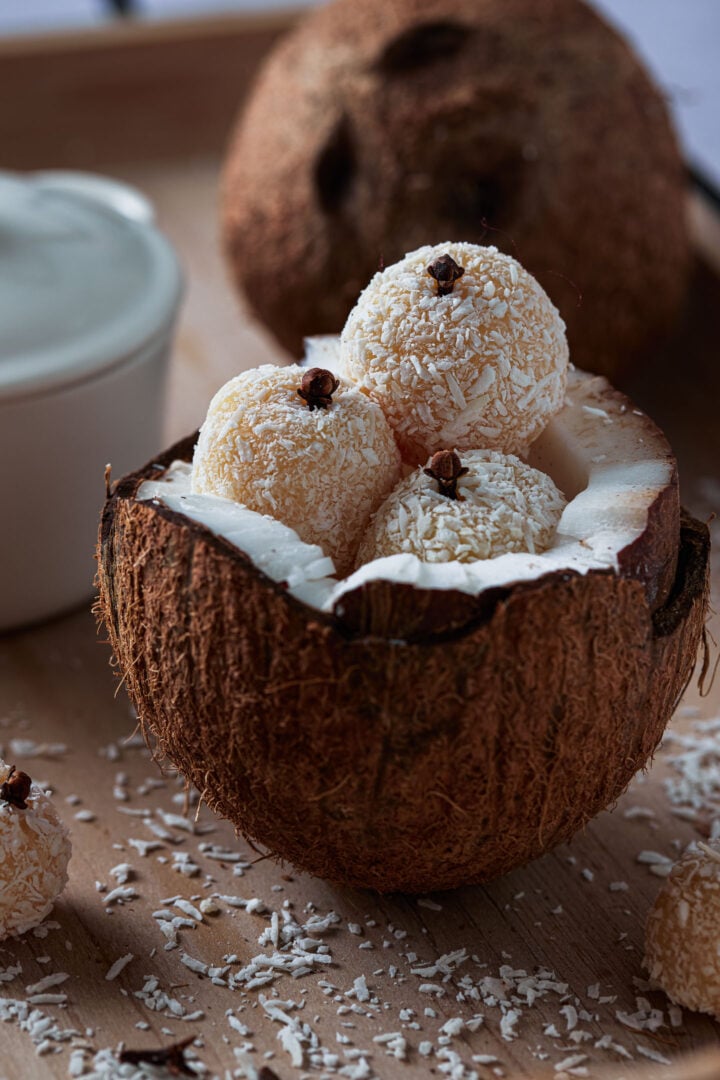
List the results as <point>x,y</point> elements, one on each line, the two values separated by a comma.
<point>170,1057</point>
<point>447,468</point>
<point>16,788</point>
<point>445,272</point>
<point>317,388</point>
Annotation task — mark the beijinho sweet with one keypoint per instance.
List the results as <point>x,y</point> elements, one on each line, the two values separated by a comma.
<point>478,362</point>
<point>681,937</point>
<point>501,505</point>
<point>34,853</point>
<point>321,469</point>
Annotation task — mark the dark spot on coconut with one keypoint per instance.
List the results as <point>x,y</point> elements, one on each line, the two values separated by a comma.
<point>486,200</point>
<point>421,45</point>
<point>336,167</point>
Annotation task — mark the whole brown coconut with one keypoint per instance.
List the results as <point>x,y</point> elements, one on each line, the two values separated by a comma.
<point>378,127</point>
<point>441,760</point>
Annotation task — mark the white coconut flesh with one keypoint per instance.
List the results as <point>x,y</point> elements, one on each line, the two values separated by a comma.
<point>610,461</point>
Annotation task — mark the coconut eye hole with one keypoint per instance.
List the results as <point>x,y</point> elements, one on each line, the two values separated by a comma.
<point>335,168</point>
<point>477,200</point>
<point>421,45</point>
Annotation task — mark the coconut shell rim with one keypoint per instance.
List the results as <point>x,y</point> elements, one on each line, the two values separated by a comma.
<point>665,618</point>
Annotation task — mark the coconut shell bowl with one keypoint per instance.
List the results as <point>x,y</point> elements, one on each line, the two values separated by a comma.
<point>404,725</point>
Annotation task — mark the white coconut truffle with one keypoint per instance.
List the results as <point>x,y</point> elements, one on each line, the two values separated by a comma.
<point>682,935</point>
<point>483,366</point>
<point>320,469</point>
<point>503,506</point>
<point>34,853</point>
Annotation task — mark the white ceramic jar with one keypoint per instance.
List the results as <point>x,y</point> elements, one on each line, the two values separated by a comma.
<point>89,293</point>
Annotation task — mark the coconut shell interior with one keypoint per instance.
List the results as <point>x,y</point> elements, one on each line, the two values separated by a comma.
<point>381,763</point>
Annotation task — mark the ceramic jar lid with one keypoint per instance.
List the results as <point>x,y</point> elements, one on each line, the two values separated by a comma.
<point>85,279</point>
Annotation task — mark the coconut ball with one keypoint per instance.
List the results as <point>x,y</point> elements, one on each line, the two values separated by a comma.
<point>320,460</point>
<point>34,853</point>
<point>682,935</point>
<point>492,505</point>
<point>480,360</point>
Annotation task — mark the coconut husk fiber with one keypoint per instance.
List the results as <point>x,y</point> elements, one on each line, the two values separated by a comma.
<point>377,763</point>
<point>375,128</point>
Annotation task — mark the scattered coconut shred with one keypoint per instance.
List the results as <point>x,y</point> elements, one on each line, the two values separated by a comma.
<point>398,997</point>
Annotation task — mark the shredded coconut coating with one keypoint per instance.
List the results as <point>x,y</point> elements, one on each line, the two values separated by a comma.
<point>322,472</point>
<point>682,936</point>
<point>508,506</point>
<point>34,853</point>
<point>484,366</point>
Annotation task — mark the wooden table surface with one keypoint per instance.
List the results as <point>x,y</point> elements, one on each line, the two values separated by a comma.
<point>403,981</point>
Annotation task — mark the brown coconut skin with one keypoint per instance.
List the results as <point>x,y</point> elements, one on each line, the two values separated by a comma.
<point>375,128</point>
<point>378,763</point>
